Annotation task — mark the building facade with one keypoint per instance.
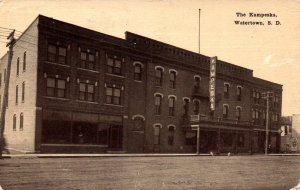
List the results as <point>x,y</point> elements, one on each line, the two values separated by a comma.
<point>76,90</point>
<point>290,136</point>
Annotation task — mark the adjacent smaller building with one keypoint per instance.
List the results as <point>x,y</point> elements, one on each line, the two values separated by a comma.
<point>290,135</point>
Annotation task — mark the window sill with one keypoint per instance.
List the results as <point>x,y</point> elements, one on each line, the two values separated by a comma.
<point>55,98</point>
<point>89,102</point>
<point>113,105</point>
<point>115,75</point>
<point>139,81</point>
<point>53,63</point>
<point>89,70</point>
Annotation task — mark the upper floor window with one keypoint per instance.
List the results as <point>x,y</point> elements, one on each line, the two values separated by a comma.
<point>86,92</point>
<point>24,61</point>
<point>21,121</point>
<point>57,54</point>
<point>156,140</point>
<point>171,130</point>
<point>23,91</point>
<point>225,111</point>
<point>138,123</point>
<point>0,79</point>
<point>238,113</point>
<point>171,106</point>
<point>173,79</point>
<point>226,90</point>
<point>14,122</point>
<point>158,76</point>
<point>158,100</point>
<point>196,106</point>
<point>113,95</point>
<point>87,60</point>
<point>17,93</point>
<point>17,66</point>
<point>137,74</point>
<point>114,66</point>
<point>239,93</point>
<point>197,81</point>
<point>56,87</point>
<point>186,103</point>
<point>4,76</point>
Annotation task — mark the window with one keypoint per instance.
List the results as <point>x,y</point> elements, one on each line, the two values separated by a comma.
<point>0,79</point>
<point>18,63</point>
<point>158,99</point>
<point>197,84</point>
<point>114,66</point>
<point>137,75</point>
<point>57,54</point>
<point>186,103</point>
<point>171,135</point>
<point>173,79</point>
<point>86,92</point>
<point>56,87</point>
<point>23,91</point>
<point>238,113</point>
<point>171,106</point>
<point>138,124</point>
<point>239,93</point>
<point>158,76</point>
<point>226,90</point>
<point>196,106</point>
<point>24,61</point>
<point>113,95</point>
<point>14,122</point>
<point>225,111</point>
<point>17,92</point>
<point>156,134</point>
<point>87,60</point>
<point>21,122</point>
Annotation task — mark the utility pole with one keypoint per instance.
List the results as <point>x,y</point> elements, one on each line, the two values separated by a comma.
<point>10,45</point>
<point>199,29</point>
<point>267,95</point>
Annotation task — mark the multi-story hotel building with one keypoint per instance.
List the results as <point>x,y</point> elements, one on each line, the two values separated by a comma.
<point>72,89</point>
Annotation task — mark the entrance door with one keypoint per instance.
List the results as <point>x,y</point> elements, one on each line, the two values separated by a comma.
<point>115,137</point>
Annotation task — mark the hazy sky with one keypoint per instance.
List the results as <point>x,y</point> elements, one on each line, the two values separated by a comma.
<point>273,52</point>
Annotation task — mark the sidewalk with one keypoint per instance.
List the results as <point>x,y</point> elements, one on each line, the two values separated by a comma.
<point>95,155</point>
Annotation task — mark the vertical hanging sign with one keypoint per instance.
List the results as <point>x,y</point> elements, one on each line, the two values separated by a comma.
<point>212,82</point>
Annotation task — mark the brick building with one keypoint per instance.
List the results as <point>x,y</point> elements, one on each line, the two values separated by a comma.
<point>77,90</point>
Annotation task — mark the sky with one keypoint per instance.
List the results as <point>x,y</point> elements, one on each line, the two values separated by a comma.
<point>272,51</point>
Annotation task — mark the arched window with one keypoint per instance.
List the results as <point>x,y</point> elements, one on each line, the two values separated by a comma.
<point>196,106</point>
<point>173,79</point>
<point>158,99</point>
<point>21,121</point>
<point>238,112</point>
<point>14,122</point>
<point>138,124</point>
<point>23,91</point>
<point>157,134</point>
<point>137,75</point>
<point>171,106</point>
<point>158,76</point>
<point>226,90</point>
<point>24,61</point>
<point>18,63</point>
<point>171,130</point>
<point>186,103</point>
<point>239,93</point>
<point>225,110</point>
<point>17,93</point>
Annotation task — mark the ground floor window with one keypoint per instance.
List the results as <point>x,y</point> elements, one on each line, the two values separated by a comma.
<point>67,132</point>
<point>241,140</point>
<point>227,138</point>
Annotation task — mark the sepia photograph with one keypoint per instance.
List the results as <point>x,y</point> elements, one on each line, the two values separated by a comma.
<point>152,94</point>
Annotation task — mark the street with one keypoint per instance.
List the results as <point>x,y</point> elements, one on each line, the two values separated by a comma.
<point>191,172</point>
